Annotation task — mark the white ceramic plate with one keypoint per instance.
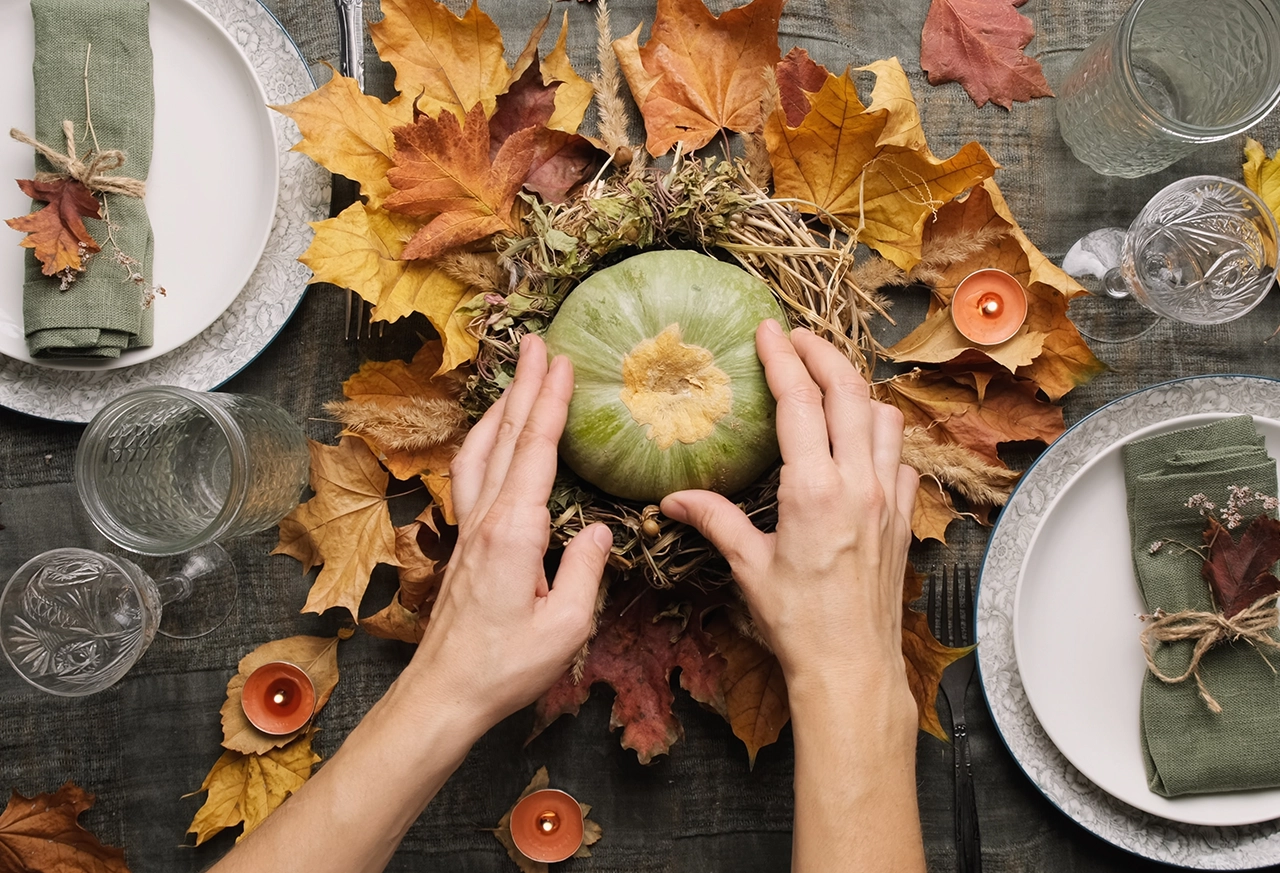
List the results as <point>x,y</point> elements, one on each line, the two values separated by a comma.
<point>260,286</point>
<point>1075,635</point>
<point>211,193</point>
<point>1074,494</point>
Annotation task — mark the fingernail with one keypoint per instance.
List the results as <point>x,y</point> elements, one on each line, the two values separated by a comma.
<point>603,537</point>
<point>673,508</point>
<point>773,327</point>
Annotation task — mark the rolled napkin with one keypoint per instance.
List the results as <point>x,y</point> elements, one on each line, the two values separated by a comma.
<point>1190,749</point>
<point>102,312</point>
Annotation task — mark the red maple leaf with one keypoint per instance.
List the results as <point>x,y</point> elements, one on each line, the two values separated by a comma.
<point>1239,574</point>
<point>56,232</point>
<point>634,652</point>
<point>979,44</point>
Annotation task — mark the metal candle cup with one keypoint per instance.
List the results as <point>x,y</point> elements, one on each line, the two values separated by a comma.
<point>547,826</point>
<point>278,698</point>
<point>989,306</point>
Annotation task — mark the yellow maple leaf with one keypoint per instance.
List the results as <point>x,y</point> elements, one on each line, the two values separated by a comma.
<point>847,161</point>
<point>347,524</point>
<point>248,788</point>
<point>1262,174</point>
<point>574,94</point>
<point>317,656</point>
<point>349,132</point>
<point>933,511</point>
<point>444,62</point>
<point>360,249</point>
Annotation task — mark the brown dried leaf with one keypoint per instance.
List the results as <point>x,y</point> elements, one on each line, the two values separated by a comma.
<point>318,658</point>
<point>591,832</point>
<point>41,834</point>
<point>56,231</point>
<point>933,511</point>
<point>1240,573</point>
<point>925,657</point>
<point>420,552</point>
<point>979,43</point>
<point>755,691</point>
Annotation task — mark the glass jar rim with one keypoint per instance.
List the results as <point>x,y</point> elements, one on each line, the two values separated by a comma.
<point>238,490</point>
<point>1172,127</point>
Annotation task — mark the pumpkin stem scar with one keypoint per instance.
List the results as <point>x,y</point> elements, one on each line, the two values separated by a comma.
<point>674,389</point>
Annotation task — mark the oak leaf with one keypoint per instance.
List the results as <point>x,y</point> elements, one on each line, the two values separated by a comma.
<point>591,832</point>
<point>318,658</point>
<point>248,788</point>
<point>56,231</point>
<point>1262,174</point>
<point>1240,573</point>
<point>41,834</point>
<point>349,132</point>
<point>755,692</point>
<point>979,43</point>
<point>974,409</point>
<point>443,61</point>
<point>635,650</point>
<point>847,162</point>
<point>700,73</point>
<point>360,249</point>
<point>925,657</point>
<point>347,524</point>
<point>443,169</point>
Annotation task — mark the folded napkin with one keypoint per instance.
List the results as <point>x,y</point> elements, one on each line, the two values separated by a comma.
<point>1188,748</point>
<point>102,312</point>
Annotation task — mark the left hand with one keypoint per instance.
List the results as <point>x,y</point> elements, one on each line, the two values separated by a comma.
<point>499,635</point>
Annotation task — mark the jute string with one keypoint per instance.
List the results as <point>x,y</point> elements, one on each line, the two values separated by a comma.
<point>94,171</point>
<point>1252,624</point>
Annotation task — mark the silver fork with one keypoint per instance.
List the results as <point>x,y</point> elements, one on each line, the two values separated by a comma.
<point>351,65</point>
<point>951,617</point>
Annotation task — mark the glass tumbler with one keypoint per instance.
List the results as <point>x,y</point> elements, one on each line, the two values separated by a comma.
<point>1171,74</point>
<point>165,470</point>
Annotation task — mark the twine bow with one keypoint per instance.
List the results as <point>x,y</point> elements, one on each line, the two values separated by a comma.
<point>94,171</point>
<point>1252,624</point>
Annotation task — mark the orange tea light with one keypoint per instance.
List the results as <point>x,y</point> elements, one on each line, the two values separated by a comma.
<point>989,306</point>
<point>547,826</point>
<point>279,698</point>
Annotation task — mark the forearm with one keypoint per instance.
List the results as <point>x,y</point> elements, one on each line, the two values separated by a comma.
<point>352,814</point>
<point>855,785</point>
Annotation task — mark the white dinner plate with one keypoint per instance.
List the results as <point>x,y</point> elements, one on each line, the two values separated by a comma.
<point>1058,579</point>
<point>210,212</point>
<point>217,64</point>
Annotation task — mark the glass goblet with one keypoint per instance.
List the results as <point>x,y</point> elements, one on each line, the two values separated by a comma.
<point>73,621</point>
<point>1202,251</point>
<point>167,471</point>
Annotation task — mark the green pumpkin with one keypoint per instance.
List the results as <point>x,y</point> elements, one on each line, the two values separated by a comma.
<point>668,391</point>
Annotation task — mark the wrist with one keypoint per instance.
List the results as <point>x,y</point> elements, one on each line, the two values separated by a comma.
<point>876,697</point>
<point>424,700</point>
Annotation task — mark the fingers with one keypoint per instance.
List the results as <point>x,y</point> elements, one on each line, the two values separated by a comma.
<point>581,568</point>
<point>886,448</point>
<point>520,397</point>
<point>908,487</point>
<point>532,469</point>
<point>802,427</point>
<point>724,524</point>
<point>467,469</point>
<point>846,397</point>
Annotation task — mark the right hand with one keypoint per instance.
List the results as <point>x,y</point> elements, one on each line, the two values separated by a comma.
<point>825,589</point>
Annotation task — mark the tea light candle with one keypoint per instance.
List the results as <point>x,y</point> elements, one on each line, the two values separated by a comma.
<point>278,698</point>
<point>989,306</point>
<point>547,826</point>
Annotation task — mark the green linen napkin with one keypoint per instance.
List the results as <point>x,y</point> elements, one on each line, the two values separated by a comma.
<point>1188,748</point>
<point>102,312</point>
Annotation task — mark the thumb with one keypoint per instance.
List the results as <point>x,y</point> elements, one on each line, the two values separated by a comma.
<point>581,568</point>
<point>723,523</point>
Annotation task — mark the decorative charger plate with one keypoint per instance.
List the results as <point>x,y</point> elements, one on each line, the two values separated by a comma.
<point>257,294</point>
<point>1152,836</point>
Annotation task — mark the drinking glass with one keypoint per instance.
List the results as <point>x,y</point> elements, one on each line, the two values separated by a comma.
<point>1202,251</point>
<point>167,471</point>
<point>73,621</point>
<point>1171,74</point>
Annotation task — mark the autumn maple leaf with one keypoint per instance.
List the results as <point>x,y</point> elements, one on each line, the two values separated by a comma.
<point>1240,573</point>
<point>443,169</point>
<point>591,831</point>
<point>317,656</point>
<point>979,43</point>
<point>421,549</point>
<point>635,650</point>
<point>56,231</point>
<point>755,692</point>
<point>925,657</point>
<point>699,73</point>
<point>41,834</point>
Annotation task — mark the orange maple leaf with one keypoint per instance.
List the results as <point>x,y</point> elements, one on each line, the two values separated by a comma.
<point>700,73</point>
<point>56,231</point>
<point>443,169</point>
<point>41,835</point>
<point>755,692</point>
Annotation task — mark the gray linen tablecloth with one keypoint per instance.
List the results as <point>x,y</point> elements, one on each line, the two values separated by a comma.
<point>150,739</point>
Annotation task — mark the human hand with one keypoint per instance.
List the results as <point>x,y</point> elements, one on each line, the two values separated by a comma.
<point>499,635</point>
<point>825,589</point>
